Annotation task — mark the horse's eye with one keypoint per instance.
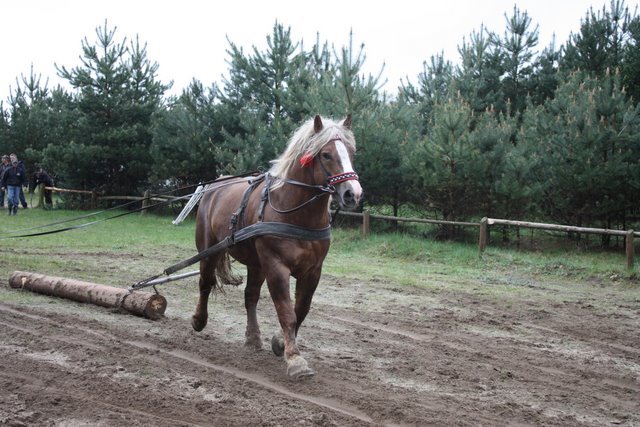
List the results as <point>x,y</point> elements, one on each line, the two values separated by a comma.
<point>326,156</point>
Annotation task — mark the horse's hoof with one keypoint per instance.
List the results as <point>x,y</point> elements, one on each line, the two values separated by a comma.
<point>297,369</point>
<point>253,343</point>
<point>198,324</point>
<point>277,345</point>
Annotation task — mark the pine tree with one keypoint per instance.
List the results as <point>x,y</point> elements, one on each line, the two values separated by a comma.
<point>477,78</point>
<point>601,42</point>
<point>434,84</point>
<point>517,46</point>
<point>586,146</point>
<point>118,93</point>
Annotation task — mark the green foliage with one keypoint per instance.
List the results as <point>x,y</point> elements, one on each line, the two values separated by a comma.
<point>516,47</point>
<point>586,145</point>
<point>467,165</point>
<point>478,78</point>
<point>118,94</point>
<point>602,41</point>
<point>434,85</point>
<point>509,132</point>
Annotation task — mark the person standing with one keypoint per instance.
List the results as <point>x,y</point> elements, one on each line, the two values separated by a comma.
<point>4,165</point>
<point>12,180</point>
<point>13,158</point>
<point>42,177</point>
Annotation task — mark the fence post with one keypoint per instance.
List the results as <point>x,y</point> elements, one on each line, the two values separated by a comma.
<point>365,223</point>
<point>629,249</point>
<point>145,202</point>
<point>482,240</point>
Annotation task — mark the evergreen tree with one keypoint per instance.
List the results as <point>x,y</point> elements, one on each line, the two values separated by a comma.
<point>434,84</point>
<point>631,60</point>
<point>117,95</point>
<point>517,46</point>
<point>478,76</point>
<point>28,109</point>
<point>601,43</point>
<point>544,80</point>
<point>586,145</point>
<point>386,137</point>
<point>446,161</point>
<point>36,119</point>
<point>259,90</point>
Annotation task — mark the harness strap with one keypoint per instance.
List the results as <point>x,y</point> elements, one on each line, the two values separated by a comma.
<point>265,196</point>
<point>237,219</point>
<point>278,229</point>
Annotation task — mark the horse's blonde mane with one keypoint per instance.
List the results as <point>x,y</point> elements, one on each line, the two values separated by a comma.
<point>304,140</point>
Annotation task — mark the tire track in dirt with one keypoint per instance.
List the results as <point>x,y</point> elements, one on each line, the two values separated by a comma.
<point>534,356</point>
<point>185,356</point>
<point>256,379</point>
<point>36,386</point>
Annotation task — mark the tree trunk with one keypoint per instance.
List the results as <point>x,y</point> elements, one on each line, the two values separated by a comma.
<point>140,303</point>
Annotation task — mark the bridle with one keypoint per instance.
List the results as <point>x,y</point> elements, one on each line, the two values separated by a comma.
<point>338,178</point>
<point>328,187</point>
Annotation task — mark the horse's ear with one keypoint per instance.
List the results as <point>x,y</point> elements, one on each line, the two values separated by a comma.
<point>317,124</point>
<point>347,122</point>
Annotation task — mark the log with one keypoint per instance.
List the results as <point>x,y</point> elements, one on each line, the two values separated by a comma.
<point>139,303</point>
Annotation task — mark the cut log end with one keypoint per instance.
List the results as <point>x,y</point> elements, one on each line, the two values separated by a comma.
<point>139,303</point>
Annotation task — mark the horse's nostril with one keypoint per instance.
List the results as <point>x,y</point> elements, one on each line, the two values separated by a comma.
<point>348,196</point>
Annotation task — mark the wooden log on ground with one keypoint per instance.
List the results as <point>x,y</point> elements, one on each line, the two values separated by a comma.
<point>140,303</point>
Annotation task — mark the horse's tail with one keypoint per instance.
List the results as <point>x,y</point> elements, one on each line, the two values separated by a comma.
<point>224,273</point>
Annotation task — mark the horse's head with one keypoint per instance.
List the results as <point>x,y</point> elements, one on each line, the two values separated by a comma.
<point>320,154</point>
<point>333,162</point>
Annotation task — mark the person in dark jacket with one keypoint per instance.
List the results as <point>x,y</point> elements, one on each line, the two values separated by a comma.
<point>4,165</point>
<point>13,158</point>
<point>12,180</point>
<point>42,177</point>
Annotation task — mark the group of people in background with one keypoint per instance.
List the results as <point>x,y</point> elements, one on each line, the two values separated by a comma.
<point>13,177</point>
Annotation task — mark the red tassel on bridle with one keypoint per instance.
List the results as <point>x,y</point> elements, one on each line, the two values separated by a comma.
<point>306,160</point>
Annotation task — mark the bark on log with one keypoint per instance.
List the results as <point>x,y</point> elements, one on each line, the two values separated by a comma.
<point>140,303</point>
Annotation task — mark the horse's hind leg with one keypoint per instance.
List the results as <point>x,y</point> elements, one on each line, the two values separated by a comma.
<point>207,282</point>
<point>255,279</point>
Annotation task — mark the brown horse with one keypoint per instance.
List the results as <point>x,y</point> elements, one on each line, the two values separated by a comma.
<point>316,164</point>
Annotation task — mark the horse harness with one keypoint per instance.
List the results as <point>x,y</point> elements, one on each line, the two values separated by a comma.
<point>240,233</point>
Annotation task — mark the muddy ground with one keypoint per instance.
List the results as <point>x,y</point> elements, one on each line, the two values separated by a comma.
<point>552,351</point>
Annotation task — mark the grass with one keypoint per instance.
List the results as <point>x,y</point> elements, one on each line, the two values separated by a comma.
<point>397,254</point>
<point>137,245</point>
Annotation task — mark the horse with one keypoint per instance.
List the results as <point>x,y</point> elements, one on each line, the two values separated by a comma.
<point>316,165</point>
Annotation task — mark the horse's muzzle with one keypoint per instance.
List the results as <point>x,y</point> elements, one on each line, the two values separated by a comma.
<point>349,194</point>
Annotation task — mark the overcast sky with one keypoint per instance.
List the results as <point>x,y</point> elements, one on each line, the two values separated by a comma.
<point>188,38</point>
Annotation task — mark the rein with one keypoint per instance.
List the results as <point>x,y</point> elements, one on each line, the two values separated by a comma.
<point>14,234</point>
<point>329,189</point>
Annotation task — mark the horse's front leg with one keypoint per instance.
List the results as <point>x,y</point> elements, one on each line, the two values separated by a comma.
<point>305,288</point>
<point>278,283</point>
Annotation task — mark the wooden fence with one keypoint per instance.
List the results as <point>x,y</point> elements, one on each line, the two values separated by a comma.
<point>483,227</point>
<point>95,197</point>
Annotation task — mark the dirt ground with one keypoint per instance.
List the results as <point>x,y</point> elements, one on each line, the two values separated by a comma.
<point>553,353</point>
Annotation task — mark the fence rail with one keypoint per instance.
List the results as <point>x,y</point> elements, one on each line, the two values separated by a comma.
<point>483,225</point>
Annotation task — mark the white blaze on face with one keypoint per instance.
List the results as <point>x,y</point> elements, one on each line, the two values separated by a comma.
<point>347,167</point>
